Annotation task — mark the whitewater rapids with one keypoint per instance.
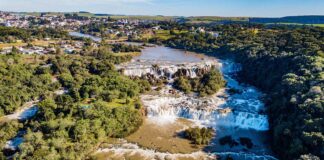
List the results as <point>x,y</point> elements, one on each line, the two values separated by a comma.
<point>239,114</point>
<point>239,110</point>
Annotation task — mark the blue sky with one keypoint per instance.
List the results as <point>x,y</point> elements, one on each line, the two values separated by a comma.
<point>255,8</point>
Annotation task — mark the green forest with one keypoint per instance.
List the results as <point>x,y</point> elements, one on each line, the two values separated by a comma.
<point>11,34</point>
<point>199,136</point>
<point>100,103</point>
<point>208,84</point>
<point>286,63</point>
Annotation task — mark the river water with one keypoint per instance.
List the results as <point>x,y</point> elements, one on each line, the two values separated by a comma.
<point>78,34</point>
<point>239,115</point>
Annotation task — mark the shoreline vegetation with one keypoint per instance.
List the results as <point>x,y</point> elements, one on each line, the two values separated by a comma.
<point>285,68</point>
<point>209,84</point>
<point>67,118</point>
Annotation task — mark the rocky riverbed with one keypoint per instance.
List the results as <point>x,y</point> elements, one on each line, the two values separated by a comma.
<point>239,114</point>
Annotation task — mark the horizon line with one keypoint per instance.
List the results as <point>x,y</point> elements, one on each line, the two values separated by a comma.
<point>112,14</point>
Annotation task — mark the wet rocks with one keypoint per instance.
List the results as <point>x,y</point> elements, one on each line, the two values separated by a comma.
<point>167,69</point>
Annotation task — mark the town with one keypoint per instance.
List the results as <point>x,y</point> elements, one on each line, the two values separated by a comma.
<point>95,29</point>
<point>116,31</point>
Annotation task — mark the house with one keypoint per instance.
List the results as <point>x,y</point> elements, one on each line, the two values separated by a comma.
<point>8,24</point>
<point>156,28</point>
<point>214,34</point>
<point>200,30</point>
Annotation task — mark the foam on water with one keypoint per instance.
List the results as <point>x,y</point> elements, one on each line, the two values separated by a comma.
<point>237,111</point>
<point>242,156</point>
<point>14,143</point>
<point>129,149</point>
<point>133,149</point>
<point>165,68</point>
<point>28,111</point>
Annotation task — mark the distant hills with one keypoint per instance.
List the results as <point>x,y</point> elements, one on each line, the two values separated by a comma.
<point>291,19</point>
<point>309,19</point>
<point>317,20</point>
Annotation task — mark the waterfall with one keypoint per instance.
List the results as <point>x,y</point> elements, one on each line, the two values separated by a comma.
<point>169,108</point>
<point>128,150</point>
<point>236,111</point>
<point>166,69</point>
<point>244,106</point>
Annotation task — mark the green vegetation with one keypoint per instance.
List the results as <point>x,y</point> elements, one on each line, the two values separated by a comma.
<point>209,84</point>
<point>8,130</point>
<point>21,82</point>
<point>100,103</point>
<point>162,35</point>
<point>120,47</point>
<point>94,28</point>
<point>185,84</point>
<point>70,131</point>
<point>10,34</point>
<point>285,63</point>
<point>296,24</point>
<point>210,19</point>
<point>199,136</point>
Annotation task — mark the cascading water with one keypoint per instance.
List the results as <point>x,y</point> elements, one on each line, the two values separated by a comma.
<point>244,107</point>
<point>236,114</point>
<point>236,111</point>
<point>165,69</point>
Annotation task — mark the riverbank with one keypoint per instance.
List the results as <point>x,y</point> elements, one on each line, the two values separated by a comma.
<point>164,137</point>
<point>26,111</point>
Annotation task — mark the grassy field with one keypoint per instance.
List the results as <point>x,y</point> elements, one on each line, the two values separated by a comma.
<point>318,25</point>
<point>17,44</point>
<point>209,19</point>
<point>115,103</point>
<point>161,34</point>
<point>127,53</point>
<point>20,44</point>
<point>115,39</point>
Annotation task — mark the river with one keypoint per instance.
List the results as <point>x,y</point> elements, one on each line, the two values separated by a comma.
<point>239,115</point>
<point>25,112</point>
<point>78,34</point>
